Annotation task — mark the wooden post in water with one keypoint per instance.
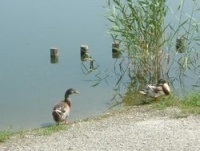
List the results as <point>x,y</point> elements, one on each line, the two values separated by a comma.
<point>54,55</point>
<point>116,53</point>
<point>85,56</point>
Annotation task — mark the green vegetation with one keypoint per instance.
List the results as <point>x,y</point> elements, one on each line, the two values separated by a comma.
<point>48,130</point>
<point>138,27</point>
<point>153,45</point>
<point>51,129</point>
<point>4,135</point>
<point>191,104</point>
<point>156,41</point>
<point>188,105</point>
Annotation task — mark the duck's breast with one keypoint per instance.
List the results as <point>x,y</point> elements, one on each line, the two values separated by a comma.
<point>166,89</point>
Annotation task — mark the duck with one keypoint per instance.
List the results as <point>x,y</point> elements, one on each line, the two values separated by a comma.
<point>62,109</point>
<point>155,91</point>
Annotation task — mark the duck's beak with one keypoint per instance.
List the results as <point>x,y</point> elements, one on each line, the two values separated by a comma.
<point>77,92</point>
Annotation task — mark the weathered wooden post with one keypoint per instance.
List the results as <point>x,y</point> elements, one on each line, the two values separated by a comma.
<point>180,44</point>
<point>85,56</point>
<point>54,55</point>
<point>116,53</point>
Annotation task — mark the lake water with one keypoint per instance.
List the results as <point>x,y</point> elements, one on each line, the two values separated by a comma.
<point>30,83</point>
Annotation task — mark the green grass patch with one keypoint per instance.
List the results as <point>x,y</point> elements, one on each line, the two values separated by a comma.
<point>5,135</point>
<point>191,103</point>
<point>165,102</point>
<point>48,130</point>
<point>188,105</point>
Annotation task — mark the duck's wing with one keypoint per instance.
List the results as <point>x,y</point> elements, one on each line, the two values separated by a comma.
<point>157,89</point>
<point>148,88</point>
<point>144,91</point>
<point>61,107</point>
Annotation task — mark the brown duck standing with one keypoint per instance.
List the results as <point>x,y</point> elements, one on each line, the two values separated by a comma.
<point>62,109</point>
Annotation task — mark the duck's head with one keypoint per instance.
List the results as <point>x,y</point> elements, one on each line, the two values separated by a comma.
<point>161,82</point>
<point>164,85</point>
<point>71,91</point>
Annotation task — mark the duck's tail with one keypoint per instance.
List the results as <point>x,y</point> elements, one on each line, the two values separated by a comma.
<point>56,115</point>
<point>143,92</point>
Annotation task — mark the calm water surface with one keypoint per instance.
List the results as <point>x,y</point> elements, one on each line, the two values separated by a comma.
<point>30,84</point>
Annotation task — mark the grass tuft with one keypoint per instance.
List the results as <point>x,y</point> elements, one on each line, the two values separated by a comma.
<point>48,130</point>
<point>44,131</point>
<point>191,104</point>
<point>188,105</point>
<point>5,135</point>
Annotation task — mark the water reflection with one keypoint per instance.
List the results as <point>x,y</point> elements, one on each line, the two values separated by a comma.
<point>89,66</point>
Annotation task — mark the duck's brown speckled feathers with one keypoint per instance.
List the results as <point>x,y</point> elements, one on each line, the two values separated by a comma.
<point>155,91</point>
<point>62,109</point>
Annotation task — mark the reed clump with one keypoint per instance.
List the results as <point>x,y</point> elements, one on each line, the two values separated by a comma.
<point>153,45</point>
<point>138,26</point>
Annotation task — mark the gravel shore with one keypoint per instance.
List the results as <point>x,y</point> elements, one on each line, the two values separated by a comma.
<point>136,129</point>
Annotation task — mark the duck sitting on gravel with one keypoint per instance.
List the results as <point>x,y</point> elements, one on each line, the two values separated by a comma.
<point>156,91</point>
<point>62,109</point>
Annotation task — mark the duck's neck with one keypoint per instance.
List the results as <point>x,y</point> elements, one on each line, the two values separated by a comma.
<point>68,100</point>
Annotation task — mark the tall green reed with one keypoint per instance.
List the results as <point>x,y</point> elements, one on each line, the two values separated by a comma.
<point>138,26</point>
<point>150,42</point>
<point>184,29</point>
